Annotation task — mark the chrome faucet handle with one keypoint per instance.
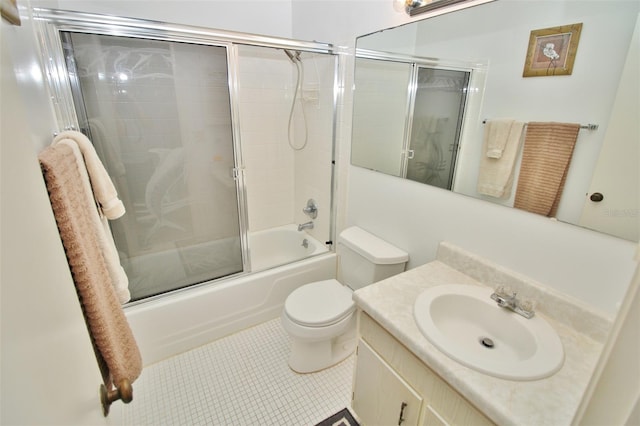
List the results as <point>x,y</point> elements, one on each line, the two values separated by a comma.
<point>311,209</point>
<point>505,291</point>
<point>506,298</point>
<point>525,309</point>
<point>527,305</point>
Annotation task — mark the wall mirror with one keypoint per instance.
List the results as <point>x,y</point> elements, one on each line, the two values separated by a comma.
<point>426,91</point>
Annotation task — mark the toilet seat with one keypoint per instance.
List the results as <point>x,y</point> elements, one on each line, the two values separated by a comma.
<point>319,304</point>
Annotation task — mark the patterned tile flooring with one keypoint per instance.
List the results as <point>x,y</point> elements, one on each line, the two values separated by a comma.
<point>242,380</point>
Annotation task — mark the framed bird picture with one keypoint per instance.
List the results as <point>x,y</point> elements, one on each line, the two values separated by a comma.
<point>552,51</point>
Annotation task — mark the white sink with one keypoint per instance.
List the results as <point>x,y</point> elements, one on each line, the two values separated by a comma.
<point>469,327</point>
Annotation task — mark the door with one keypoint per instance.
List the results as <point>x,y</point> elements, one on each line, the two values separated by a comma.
<point>616,177</point>
<point>380,395</point>
<point>159,115</point>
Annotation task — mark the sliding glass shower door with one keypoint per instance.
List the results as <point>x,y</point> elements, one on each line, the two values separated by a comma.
<point>158,113</point>
<point>438,110</point>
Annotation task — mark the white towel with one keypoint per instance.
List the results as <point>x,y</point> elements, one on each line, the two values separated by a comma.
<point>496,136</point>
<point>502,140</point>
<point>99,222</point>
<point>103,189</point>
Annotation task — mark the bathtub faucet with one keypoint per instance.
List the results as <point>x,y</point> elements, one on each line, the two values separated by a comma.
<point>308,225</point>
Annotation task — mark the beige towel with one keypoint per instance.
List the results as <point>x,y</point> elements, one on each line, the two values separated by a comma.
<point>103,189</point>
<point>501,144</point>
<point>113,340</point>
<point>496,135</point>
<point>100,224</point>
<point>548,148</point>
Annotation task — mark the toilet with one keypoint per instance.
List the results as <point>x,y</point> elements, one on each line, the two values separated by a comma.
<point>320,317</point>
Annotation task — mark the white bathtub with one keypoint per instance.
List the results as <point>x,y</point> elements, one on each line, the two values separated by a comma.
<point>187,319</point>
<point>282,245</point>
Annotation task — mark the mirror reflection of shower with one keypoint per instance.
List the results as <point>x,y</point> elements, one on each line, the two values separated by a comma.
<point>439,105</point>
<point>294,56</point>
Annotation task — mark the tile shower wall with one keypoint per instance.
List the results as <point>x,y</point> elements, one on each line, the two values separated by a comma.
<point>265,89</point>
<point>280,180</point>
<point>313,164</point>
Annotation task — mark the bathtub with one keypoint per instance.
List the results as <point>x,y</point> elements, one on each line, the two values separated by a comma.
<point>184,320</point>
<point>282,245</point>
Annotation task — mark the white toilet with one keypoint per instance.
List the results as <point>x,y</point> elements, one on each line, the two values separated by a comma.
<point>320,316</point>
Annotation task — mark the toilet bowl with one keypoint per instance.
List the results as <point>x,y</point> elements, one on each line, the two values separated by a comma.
<point>320,317</point>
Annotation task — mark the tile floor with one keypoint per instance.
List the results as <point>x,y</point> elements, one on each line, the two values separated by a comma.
<point>242,379</point>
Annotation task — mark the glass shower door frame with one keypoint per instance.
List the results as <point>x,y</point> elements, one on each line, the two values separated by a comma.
<point>407,152</point>
<point>133,238</point>
<point>50,23</point>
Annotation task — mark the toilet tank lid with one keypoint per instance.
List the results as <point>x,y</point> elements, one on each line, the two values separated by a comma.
<point>371,247</point>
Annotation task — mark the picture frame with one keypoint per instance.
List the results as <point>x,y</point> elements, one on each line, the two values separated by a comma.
<point>552,51</point>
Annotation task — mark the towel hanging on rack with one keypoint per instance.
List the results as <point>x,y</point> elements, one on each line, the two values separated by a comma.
<point>116,350</point>
<point>103,189</point>
<point>548,148</point>
<point>102,230</point>
<point>501,144</point>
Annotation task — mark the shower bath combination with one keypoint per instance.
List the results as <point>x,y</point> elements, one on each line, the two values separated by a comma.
<point>170,117</point>
<point>294,56</point>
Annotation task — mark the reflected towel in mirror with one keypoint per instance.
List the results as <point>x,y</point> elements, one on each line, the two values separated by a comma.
<point>546,157</point>
<point>501,144</point>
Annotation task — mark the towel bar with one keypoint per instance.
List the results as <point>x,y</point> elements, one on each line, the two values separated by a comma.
<point>123,391</point>
<point>64,130</point>
<point>582,126</point>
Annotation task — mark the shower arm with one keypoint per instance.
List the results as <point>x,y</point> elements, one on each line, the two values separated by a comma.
<point>295,57</point>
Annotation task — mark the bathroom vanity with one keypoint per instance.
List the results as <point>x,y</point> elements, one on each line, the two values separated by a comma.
<point>393,386</point>
<point>401,378</point>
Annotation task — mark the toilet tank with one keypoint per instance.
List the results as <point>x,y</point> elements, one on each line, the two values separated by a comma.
<point>365,259</point>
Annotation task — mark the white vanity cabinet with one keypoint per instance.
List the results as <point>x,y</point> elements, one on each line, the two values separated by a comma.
<point>392,386</point>
<point>381,396</point>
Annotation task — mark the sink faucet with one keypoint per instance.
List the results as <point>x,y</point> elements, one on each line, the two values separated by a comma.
<point>308,225</point>
<point>507,299</point>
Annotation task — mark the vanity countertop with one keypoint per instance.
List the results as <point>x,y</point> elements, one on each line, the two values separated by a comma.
<point>550,401</point>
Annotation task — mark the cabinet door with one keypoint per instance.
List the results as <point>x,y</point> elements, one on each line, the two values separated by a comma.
<point>380,396</point>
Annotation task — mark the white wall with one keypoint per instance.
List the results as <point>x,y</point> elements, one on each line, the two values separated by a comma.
<point>589,266</point>
<point>49,372</point>
<point>614,392</point>
<point>340,22</point>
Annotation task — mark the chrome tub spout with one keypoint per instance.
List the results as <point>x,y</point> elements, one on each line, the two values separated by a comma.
<point>303,226</point>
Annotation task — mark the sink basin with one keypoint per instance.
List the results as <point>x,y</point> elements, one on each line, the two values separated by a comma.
<point>468,326</point>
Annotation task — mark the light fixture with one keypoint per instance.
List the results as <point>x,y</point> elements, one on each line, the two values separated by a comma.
<point>415,7</point>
